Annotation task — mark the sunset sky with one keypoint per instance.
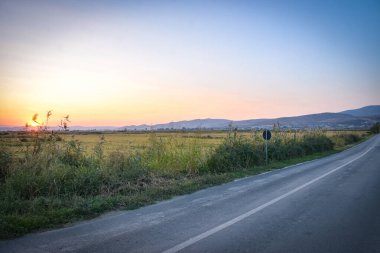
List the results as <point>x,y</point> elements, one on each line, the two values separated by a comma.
<point>133,62</point>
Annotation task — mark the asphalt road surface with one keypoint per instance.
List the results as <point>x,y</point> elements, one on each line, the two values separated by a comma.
<point>326,205</point>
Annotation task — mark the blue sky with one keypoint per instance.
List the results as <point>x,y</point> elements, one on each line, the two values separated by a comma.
<point>124,62</point>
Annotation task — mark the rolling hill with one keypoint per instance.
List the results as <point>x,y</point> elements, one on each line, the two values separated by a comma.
<point>361,118</point>
<point>372,110</point>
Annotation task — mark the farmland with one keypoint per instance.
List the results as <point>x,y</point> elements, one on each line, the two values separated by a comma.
<point>50,179</point>
<point>131,141</point>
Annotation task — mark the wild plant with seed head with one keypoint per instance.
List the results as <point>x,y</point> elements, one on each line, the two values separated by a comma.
<point>64,123</point>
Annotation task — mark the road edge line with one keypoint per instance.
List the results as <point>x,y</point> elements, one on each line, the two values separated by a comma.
<point>241,217</point>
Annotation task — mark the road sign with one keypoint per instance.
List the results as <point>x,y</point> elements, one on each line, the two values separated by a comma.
<point>267,135</point>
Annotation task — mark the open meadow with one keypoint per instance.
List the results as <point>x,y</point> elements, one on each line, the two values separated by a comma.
<point>49,179</point>
<point>17,142</point>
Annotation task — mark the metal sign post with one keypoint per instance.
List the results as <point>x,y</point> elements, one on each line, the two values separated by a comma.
<point>266,151</point>
<point>266,135</point>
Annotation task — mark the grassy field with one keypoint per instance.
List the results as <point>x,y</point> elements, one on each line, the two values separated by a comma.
<point>116,140</point>
<point>48,180</point>
<point>130,141</point>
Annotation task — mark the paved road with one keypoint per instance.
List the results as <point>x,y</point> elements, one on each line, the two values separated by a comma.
<point>326,205</point>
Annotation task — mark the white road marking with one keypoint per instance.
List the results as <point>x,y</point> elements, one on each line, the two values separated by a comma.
<point>214,230</point>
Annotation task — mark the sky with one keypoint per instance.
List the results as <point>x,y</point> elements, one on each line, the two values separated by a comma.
<point>117,63</point>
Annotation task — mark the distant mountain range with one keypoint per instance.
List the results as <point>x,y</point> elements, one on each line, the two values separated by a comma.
<point>361,118</point>
<point>372,110</point>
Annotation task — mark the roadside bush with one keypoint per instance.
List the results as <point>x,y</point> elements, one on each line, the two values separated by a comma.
<point>72,154</point>
<point>349,138</point>
<point>316,143</point>
<point>123,171</point>
<point>233,154</point>
<point>375,129</point>
<point>237,152</point>
<point>294,149</point>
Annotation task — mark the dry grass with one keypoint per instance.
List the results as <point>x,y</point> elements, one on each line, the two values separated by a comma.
<point>128,141</point>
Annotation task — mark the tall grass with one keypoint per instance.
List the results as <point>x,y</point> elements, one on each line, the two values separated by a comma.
<point>237,152</point>
<point>174,155</point>
<point>54,181</point>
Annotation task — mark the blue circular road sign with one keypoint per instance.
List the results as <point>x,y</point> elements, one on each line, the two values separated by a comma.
<point>267,135</point>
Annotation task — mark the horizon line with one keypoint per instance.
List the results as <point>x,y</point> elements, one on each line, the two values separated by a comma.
<point>207,118</point>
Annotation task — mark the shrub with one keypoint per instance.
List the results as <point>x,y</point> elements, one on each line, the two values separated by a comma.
<point>238,152</point>
<point>316,143</point>
<point>375,129</point>
<point>350,138</point>
<point>294,149</point>
<point>72,154</point>
<point>126,167</point>
<point>233,154</point>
